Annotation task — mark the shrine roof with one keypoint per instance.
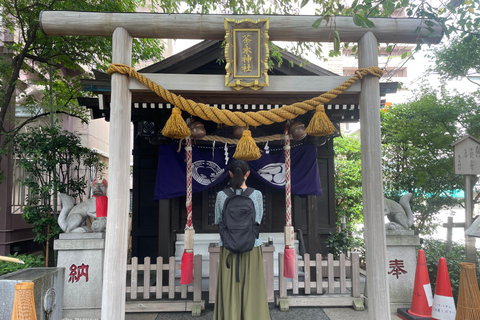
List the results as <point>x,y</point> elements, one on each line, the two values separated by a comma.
<point>207,58</point>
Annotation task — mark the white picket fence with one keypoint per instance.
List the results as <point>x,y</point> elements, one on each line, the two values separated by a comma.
<point>340,279</point>
<point>336,284</point>
<point>147,279</point>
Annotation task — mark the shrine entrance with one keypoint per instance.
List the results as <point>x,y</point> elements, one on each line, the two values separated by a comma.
<point>124,26</point>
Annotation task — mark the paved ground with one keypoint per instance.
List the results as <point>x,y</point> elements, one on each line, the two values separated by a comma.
<point>303,313</point>
<point>295,313</point>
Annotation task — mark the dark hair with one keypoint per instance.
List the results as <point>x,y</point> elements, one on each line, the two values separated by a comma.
<point>239,169</point>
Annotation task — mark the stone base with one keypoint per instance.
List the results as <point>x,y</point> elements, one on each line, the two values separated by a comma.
<point>399,232</point>
<point>48,289</point>
<point>78,314</point>
<point>402,264</point>
<point>81,254</point>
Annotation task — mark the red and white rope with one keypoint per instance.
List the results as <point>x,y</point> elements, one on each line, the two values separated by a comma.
<point>188,203</point>
<point>288,194</point>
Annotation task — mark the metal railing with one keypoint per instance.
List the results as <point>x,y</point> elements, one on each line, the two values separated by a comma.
<point>20,192</point>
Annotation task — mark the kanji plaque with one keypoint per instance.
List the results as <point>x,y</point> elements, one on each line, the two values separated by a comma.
<point>246,53</point>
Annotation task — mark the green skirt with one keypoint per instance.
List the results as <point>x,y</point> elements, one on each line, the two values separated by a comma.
<point>246,299</point>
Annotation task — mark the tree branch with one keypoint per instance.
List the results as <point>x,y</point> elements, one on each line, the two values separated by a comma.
<point>30,120</point>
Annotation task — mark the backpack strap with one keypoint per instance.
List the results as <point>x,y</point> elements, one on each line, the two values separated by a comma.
<point>247,192</point>
<point>229,192</point>
<point>230,254</point>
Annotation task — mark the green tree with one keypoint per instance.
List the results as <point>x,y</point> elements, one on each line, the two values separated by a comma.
<point>33,53</point>
<point>348,194</point>
<point>348,179</point>
<point>458,59</point>
<point>417,156</point>
<point>53,159</point>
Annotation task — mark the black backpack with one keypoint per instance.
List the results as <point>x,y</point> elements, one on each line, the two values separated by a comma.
<point>238,229</point>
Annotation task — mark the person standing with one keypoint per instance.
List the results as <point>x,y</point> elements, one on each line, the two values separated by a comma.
<point>241,294</point>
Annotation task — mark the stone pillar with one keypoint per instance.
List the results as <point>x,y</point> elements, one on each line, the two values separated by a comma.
<point>402,265</point>
<point>81,254</point>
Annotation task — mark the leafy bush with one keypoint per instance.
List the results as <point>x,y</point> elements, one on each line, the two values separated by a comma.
<point>348,181</point>
<point>31,261</point>
<point>54,161</point>
<point>434,250</point>
<point>348,197</point>
<point>344,241</point>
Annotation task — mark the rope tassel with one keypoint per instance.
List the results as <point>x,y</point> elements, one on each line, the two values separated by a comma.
<point>289,251</point>
<point>186,276</point>
<point>247,149</point>
<point>176,128</point>
<point>320,125</point>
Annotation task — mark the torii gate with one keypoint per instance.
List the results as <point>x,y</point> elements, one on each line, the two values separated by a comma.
<point>124,26</point>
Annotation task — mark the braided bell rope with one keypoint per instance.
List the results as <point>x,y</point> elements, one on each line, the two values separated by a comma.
<point>188,202</point>
<point>238,118</point>
<point>272,137</point>
<point>288,181</point>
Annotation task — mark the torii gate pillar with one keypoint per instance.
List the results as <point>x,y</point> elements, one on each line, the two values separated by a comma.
<point>115,267</point>
<point>372,183</point>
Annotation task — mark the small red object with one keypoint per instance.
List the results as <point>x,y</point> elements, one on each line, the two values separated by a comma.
<point>186,276</point>
<point>101,206</point>
<point>289,263</point>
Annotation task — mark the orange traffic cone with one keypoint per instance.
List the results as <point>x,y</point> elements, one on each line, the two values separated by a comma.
<point>422,291</point>
<point>443,303</point>
<point>422,299</point>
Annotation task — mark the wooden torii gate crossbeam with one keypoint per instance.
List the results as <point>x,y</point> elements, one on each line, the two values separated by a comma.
<point>123,26</point>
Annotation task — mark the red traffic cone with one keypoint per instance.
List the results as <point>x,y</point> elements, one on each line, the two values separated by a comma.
<point>422,299</point>
<point>443,303</point>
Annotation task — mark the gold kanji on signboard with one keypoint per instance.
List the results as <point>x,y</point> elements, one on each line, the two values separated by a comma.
<point>246,53</point>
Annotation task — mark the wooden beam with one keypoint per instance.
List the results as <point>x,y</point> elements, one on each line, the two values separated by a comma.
<point>339,300</point>
<point>115,265</point>
<point>252,99</point>
<point>156,306</point>
<point>206,26</point>
<point>372,184</point>
<point>207,84</point>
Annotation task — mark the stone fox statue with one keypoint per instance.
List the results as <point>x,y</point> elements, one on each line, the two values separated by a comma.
<point>72,217</point>
<point>399,214</point>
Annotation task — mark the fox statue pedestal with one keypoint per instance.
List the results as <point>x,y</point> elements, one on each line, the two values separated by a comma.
<point>81,254</point>
<point>402,264</point>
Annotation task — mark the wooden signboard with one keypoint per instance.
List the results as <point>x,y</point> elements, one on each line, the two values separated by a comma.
<point>467,155</point>
<point>246,53</point>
